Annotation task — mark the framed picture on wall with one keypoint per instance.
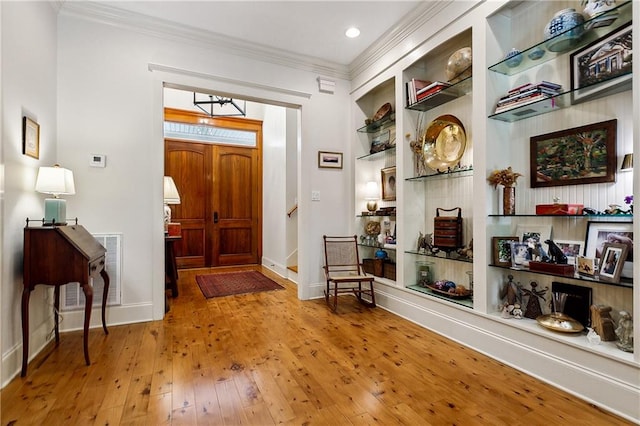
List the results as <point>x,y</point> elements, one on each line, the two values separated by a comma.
<point>388,176</point>
<point>30,138</point>
<point>329,160</point>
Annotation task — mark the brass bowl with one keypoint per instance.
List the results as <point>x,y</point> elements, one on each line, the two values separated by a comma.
<point>560,322</point>
<point>443,143</point>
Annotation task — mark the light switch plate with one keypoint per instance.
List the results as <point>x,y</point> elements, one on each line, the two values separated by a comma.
<point>315,195</point>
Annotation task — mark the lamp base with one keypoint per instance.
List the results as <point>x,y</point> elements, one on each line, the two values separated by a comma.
<point>167,217</point>
<point>372,206</point>
<point>55,211</point>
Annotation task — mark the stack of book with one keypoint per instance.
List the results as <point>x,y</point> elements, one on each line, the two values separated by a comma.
<point>527,94</point>
<point>418,90</point>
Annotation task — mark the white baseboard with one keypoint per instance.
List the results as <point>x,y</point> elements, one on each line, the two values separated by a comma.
<point>276,267</point>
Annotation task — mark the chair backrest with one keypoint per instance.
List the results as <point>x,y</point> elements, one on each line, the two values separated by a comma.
<point>341,254</point>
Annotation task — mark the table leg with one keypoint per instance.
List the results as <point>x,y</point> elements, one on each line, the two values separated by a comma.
<point>56,310</point>
<point>26,293</point>
<point>105,293</point>
<point>88,295</point>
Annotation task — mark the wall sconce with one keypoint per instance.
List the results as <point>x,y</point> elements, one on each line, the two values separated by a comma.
<point>171,196</point>
<point>55,181</point>
<point>372,195</point>
<point>627,162</point>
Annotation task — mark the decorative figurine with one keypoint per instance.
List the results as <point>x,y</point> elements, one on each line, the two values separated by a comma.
<point>602,322</point>
<point>625,332</point>
<point>534,309</point>
<point>511,292</point>
<point>555,253</point>
<point>517,311</point>
<point>426,242</point>
<point>506,311</point>
<point>467,251</point>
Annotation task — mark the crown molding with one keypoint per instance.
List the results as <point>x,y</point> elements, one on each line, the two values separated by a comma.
<point>161,28</point>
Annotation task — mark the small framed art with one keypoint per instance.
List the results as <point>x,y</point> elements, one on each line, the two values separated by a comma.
<point>502,250</point>
<point>30,138</point>
<point>388,176</point>
<point>520,254</point>
<point>586,266</point>
<point>571,249</point>
<point>329,160</point>
<point>612,261</point>
<point>600,233</point>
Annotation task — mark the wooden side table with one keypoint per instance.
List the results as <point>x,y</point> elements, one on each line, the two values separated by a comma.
<point>170,265</point>
<point>58,255</point>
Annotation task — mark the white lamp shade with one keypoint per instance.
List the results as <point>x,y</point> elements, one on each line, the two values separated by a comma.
<point>55,180</point>
<point>171,195</point>
<point>371,191</point>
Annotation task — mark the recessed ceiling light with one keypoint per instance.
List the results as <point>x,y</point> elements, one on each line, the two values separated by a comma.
<point>352,32</point>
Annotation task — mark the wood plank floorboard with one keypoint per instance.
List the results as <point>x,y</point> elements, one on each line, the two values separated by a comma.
<point>268,358</point>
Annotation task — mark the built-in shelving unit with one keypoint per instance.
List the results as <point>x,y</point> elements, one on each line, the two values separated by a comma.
<point>443,96</point>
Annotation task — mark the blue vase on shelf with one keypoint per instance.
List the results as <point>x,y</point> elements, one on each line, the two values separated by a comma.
<point>564,31</point>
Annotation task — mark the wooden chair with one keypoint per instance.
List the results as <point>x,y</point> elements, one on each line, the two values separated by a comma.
<point>343,271</point>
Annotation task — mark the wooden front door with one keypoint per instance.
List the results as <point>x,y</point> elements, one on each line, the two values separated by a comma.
<point>220,188</point>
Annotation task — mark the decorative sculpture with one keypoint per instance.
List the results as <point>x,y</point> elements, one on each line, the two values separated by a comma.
<point>624,331</point>
<point>467,251</point>
<point>602,322</point>
<point>426,242</point>
<point>555,253</point>
<point>511,293</point>
<point>534,309</point>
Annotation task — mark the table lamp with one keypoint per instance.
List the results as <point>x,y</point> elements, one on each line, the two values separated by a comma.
<point>55,181</point>
<point>171,196</point>
<point>371,194</point>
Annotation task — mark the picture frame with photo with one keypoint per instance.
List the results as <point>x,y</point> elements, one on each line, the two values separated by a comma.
<point>30,138</point>
<point>571,249</point>
<point>599,233</point>
<point>502,250</point>
<point>533,233</point>
<point>388,177</point>
<point>586,266</point>
<point>520,254</point>
<point>612,261</point>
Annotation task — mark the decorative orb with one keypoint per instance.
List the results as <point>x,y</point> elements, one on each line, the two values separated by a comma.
<point>459,65</point>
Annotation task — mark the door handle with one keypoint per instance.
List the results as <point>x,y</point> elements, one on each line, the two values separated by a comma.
<point>215,217</point>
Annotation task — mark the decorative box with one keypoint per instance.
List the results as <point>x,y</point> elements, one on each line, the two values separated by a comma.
<point>389,270</point>
<point>552,268</point>
<point>174,229</point>
<point>559,209</point>
<point>447,230</point>
<point>367,265</point>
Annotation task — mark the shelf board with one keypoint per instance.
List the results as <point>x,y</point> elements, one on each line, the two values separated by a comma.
<point>376,155</point>
<point>590,35</point>
<point>376,247</point>
<point>463,302</point>
<point>442,255</point>
<point>446,175</point>
<point>624,282</point>
<point>377,125</point>
<point>629,217</point>
<point>452,92</point>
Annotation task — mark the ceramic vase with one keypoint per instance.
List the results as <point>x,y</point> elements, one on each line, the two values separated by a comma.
<point>564,30</point>
<point>596,12</point>
<point>509,200</point>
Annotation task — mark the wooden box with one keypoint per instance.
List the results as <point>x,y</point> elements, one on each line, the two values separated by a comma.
<point>447,230</point>
<point>373,266</point>
<point>552,268</point>
<point>559,209</point>
<point>389,270</point>
<point>367,265</point>
<point>174,229</point>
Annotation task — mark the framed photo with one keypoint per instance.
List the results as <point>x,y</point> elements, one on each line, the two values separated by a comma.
<point>599,233</point>
<point>586,266</point>
<point>30,138</point>
<point>388,183</point>
<point>571,249</point>
<point>502,250</point>
<point>520,254</point>
<point>613,258</point>
<point>603,66</point>
<point>533,233</point>
<point>577,156</point>
<point>329,160</point>
<point>380,142</point>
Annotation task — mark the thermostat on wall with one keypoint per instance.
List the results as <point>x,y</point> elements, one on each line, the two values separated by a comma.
<point>98,160</point>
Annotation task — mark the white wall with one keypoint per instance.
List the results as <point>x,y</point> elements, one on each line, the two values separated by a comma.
<point>28,88</point>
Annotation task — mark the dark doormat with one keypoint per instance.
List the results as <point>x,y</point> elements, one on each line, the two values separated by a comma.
<point>230,283</point>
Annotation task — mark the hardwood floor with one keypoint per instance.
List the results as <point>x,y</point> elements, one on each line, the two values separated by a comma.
<point>268,358</point>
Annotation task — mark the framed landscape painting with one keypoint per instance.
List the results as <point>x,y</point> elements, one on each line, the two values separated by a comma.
<point>577,156</point>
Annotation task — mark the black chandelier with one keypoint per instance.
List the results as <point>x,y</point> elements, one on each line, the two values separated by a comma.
<point>206,106</point>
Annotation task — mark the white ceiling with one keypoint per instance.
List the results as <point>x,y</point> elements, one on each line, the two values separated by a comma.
<point>302,27</point>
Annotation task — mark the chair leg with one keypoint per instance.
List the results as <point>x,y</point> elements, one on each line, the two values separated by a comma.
<point>373,296</point>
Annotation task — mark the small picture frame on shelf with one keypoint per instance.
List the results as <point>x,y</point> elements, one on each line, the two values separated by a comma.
<point>587,266</point>
<point>388,176</point>
<point>502,250</point>
<point>533,234</point>
<point>329,160</point>
<point>380,142</point>
<point>577,156</point>
<point>603,66</point>
<point>600,233</point>
<point>612,261</point>
<point>571,249</point>
<point>520,254</point>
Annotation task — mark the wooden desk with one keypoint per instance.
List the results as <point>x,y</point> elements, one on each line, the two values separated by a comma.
<point>58,255</point>
<point>170,266</point>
